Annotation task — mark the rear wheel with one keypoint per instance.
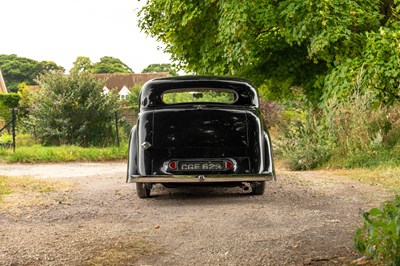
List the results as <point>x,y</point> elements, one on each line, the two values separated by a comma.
<point>143,190</point>
<point>258,188</point>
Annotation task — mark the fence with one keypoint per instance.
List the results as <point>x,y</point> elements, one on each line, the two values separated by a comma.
<point>122,122</point>
<point>12,124</point>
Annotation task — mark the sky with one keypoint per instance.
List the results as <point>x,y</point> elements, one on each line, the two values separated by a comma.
<point>62,30</point>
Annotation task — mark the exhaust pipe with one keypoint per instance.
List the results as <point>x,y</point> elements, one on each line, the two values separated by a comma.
<point>245,186</point>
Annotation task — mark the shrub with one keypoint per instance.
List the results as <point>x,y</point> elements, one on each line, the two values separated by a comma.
<point>25,140</point>
<point>380,235</point>
<point>355,124</point>
<point>271,112</point>
<point>71,110</point>
<point>353,128</point>
<point>6,140</point>
<point>133,98</point>
<point>9,100</point>
<point>301,145</point>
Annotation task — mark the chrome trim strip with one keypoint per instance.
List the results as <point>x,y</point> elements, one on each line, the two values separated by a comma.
<point>200,178</point>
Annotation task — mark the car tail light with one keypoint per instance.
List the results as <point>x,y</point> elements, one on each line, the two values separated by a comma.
<point>172,165</point>
<point>228,165</point>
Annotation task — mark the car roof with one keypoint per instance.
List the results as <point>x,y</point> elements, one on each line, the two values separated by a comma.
<point>151,93</point>
<point>199,77</point>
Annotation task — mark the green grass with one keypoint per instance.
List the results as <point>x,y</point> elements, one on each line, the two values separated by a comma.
<point>383,157</point>
<point>388,177</point>
<point>41,154</point>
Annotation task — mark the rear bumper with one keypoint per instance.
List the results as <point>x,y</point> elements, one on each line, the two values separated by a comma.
<point>201,178</point>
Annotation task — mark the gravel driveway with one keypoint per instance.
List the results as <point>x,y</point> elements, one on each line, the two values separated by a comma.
<point>304,218</point>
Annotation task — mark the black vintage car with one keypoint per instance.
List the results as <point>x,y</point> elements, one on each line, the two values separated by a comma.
<point>199,130</point>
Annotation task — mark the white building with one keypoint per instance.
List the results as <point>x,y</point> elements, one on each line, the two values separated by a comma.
<point>124,93</point>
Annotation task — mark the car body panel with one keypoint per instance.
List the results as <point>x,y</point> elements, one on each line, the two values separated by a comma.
<point>208,133</point>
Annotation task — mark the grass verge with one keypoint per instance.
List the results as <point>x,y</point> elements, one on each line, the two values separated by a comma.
<point>41,154</point>
<point>386,176</point>
<point>379,158</point>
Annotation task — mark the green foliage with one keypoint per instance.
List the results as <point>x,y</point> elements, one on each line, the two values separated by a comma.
<point>271,112</point>
<point>40,154</point>
<point>301,144</point>
<point>377,67</point>
<point>156,68</point>
<point>318,46</point>
<point>71,110</point>
<point>26,100</point>
<point>6,140</point>
<point>81,64</point>
<point>380,235</point>
<point>133,97</point>
<point>354,124</point>
<point>9,100</point>
<point>49,66</point>
<point>25,140</point>
<point>108,64</point>
<point>383,156</point>
<point>348,131</point>
<point>20,69</point>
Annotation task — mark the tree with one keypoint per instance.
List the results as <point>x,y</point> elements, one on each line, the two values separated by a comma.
<point>71,110</point>
<point>318,46</point>
<point>108,64</point>
<point>7,102</point>
<point>81,64</point>
<point>156,68</point>
<point>20,69</point>
<point>49,66</point>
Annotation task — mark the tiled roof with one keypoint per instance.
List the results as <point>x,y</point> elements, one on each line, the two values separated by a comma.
<point>116,82</point>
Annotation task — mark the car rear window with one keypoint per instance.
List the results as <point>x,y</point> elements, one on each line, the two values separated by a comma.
<point>199,95</point>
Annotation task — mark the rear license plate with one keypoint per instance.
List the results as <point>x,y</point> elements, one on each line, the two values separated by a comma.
<point>201,166</point>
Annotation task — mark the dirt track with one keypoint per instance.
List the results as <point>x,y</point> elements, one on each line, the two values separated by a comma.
<point>305,218</point>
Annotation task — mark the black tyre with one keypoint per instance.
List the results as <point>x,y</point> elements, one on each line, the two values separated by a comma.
<point>258,188</point>
<point>143,190</point>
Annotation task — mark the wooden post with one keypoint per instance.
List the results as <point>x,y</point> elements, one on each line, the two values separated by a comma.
<point>116,128</point>
<point>13,127</point>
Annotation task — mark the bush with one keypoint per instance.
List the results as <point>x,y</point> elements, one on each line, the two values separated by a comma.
<point>6,141</point>
<point>380,235</point>
<point>355,124</point>
<point>271,112</point>
<point>25,140</point>
<point>9,100</point>
<point>72,110</point>
<point>301,146</point>
<point>350,131</point>
<point>133,97</point>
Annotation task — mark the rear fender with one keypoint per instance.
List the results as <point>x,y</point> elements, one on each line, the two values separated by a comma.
<point>132,153</point>
<point>268,158</point>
